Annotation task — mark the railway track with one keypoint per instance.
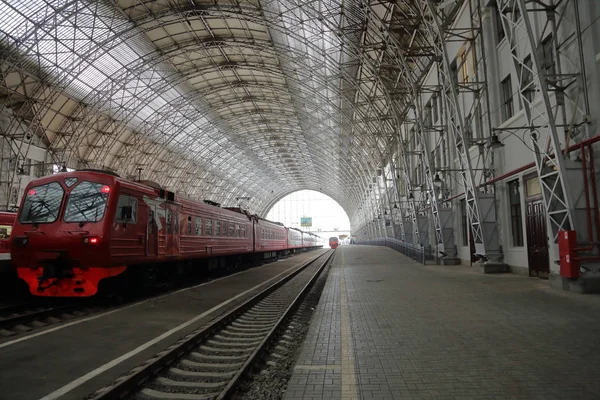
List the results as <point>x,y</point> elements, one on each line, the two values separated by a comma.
<point>25,317</point>
<point>209,363</point>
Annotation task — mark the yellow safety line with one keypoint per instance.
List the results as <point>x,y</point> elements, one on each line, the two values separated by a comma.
<point>349,382</point>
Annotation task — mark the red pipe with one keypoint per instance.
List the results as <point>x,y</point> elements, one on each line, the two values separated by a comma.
<point>594,191</point>
<point>531,165</point>
<point>527,166</point>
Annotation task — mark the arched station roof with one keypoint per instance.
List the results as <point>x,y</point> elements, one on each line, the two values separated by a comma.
<point>216,99</point>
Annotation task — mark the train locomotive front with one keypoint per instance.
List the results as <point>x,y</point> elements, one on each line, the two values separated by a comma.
<point>334,242</point>
<point>60,239</point>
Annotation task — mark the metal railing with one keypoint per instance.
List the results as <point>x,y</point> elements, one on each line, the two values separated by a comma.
<point>416,252</point>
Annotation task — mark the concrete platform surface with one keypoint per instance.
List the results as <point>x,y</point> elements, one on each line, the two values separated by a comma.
<point>388,328</point>
<point>72,361</point>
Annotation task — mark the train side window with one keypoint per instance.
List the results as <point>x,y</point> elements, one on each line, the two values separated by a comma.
<point>217,228</point>
<point>198,226</point>
<point>126,209</point>
<point>208,227</point>
<point>169,216</point>
<point>176,221</point>
<point>5,231</point>
<point>243,231</point>
<point>189,225</point>
<point>231,230</point>
<point>237,230</point>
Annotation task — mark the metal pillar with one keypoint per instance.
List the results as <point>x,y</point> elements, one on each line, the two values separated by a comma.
<point>480,206</point>
<point>549,123</point>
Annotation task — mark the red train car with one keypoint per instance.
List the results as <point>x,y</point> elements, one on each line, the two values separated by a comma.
<point>309,240</point>
<point>294,239</point>
<point>270,237</point>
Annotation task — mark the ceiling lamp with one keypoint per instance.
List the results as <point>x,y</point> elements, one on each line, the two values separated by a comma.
<point>495,143</point>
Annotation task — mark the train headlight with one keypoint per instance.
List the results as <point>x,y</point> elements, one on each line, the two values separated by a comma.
<point>91,240</point>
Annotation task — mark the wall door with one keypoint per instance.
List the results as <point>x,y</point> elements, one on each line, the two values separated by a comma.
<point>535,224</point>
<point>152,233</point>
<point>537,239</point>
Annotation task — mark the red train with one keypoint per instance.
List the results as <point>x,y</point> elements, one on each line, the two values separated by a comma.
<point>334,242</point>
<point>77,229</point>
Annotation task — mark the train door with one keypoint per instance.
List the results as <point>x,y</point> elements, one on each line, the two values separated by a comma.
<point>173,229</point>
<point>151,232</point>
<point>537,237</point>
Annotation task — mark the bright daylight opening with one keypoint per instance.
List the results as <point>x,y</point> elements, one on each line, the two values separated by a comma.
<point>312,211</point>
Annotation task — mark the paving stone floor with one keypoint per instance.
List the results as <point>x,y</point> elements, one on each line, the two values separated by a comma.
<point>388,328</point>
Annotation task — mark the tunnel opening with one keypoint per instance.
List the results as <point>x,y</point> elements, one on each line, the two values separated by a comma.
<point>312,211</point>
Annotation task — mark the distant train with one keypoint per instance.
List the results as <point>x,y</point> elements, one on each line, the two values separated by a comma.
<point>77,229</point>
<point>334,242</point>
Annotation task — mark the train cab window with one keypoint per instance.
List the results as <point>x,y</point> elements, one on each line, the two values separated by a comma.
<point>231,230</point>
<point>87,202</point>
<point>198,226</point>
<point>189,225</point>
<point>208,227</point>
<point>126,209</point>
<point>42,204</point>
<point>237,230</point>
<point>217,228</point>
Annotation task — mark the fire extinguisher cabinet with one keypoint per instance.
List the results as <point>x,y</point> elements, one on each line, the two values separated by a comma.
<point>567,244</point>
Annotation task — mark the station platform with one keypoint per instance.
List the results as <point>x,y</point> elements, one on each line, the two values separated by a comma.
<point>389,328</point>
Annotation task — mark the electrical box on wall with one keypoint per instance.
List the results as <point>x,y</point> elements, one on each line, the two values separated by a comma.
<point>567,244</point>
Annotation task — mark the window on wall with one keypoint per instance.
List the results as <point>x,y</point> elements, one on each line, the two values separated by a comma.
<point>527,79</point>
<point>516,216</point>
<point>217,228</point>
<point>189,225</point>
<point>468,129</point>
<point>427,119</point>
<point>548,55</point>
<point>464,223</point>
<point>500,34</point>
<point>464,66</point>
<point>454,74</point>
<point>208,230</point>
<point>507,98</point>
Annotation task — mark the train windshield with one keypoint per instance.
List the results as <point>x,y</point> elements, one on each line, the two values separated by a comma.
<point>42,204</point>
<point>87,202</point>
